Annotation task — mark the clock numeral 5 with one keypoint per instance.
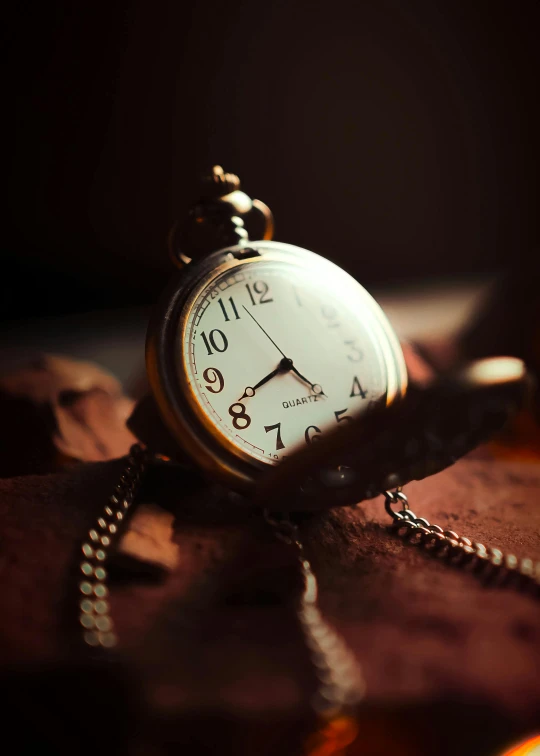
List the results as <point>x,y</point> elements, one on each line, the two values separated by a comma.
<point>279,442</point>
<point>345,417</point>
<point>212,340</point>
<point>213,375</point>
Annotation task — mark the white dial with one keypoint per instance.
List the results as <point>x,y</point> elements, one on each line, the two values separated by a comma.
<point>277,353</point>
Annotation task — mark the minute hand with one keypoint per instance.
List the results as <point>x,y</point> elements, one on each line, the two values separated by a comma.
<point>290,365</point>
<point>312,385</point>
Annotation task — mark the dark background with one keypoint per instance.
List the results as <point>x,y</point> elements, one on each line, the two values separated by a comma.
<point>399,139</point>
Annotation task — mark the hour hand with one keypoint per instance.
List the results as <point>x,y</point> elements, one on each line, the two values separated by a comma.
<point>250,390</point>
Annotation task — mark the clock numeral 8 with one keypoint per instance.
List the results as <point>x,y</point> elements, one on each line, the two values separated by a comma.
<point>239,416</point>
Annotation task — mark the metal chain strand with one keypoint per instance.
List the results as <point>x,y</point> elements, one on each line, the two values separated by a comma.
<point>341,683</point>
<point>489,563</point>
<point>94,617</point>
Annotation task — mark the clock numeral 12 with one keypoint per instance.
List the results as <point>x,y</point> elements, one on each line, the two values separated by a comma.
<point>260,288</point>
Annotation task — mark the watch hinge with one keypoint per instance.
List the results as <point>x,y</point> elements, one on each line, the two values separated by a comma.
<point>241,254</point>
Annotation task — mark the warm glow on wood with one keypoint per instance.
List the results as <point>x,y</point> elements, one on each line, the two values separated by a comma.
<point>531,747</point>
<point>333,738</point>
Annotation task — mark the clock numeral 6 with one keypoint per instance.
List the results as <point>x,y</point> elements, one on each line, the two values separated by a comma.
<point>314,436</point>
<point>241,420</point>
<point>213,375</point>
<point>216,339</point>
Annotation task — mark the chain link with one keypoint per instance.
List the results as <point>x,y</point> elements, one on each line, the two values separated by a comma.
<point>340,681</point>
<point>94,611</point>
<point>489,563</point>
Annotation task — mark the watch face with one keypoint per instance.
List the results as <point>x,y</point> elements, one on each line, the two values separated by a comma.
<point>277,350</point>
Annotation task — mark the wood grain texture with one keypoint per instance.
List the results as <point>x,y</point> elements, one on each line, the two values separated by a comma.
<point>212,647</point>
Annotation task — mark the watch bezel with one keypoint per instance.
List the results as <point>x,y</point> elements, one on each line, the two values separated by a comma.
<point>167,373</point>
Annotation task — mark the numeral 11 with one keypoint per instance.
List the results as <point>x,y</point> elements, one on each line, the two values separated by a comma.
<point>224,310</point>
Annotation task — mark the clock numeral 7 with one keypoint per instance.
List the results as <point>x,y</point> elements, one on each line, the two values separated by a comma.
<point>279,442</point>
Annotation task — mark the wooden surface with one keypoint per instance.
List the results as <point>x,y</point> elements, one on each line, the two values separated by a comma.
<point>211,645</point>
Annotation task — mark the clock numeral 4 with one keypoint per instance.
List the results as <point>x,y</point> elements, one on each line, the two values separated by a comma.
<point>357,389</point>
<point>216,340</point>
<point>213,375</point>
<point>241,419</point>
<point>279,442</point>
<point>224,309</point>
<point>260,288</point>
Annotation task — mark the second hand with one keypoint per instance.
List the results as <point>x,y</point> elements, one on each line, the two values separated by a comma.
<point>291,367</point>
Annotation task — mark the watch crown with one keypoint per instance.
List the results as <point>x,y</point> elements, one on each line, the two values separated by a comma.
<point>219,184</point>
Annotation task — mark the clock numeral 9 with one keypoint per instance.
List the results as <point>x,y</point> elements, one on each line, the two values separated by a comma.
<point>314,436</point>
<point>260,288</point>
<point>214,337</point>
<point>241,420</point>
<point>213,375</point>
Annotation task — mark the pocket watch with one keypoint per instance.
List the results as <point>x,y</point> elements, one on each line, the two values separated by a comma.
<point>279,376</point>
<point>261,348</point>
